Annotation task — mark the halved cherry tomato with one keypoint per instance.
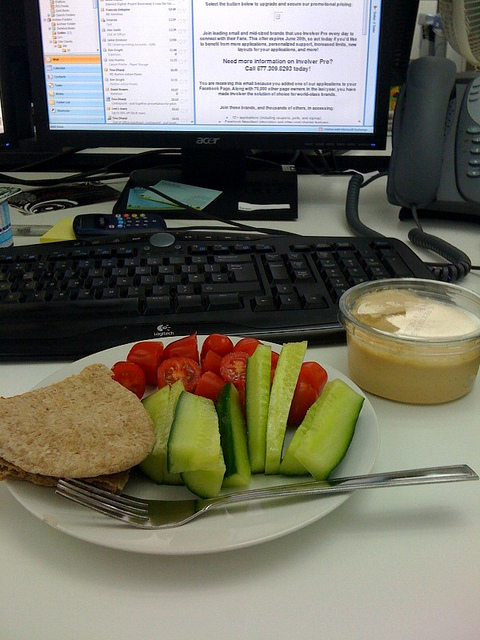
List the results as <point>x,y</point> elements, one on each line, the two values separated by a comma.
<point>179,368</point>
<point>233,368</point>
<point>130,376</point>
<point>209,385</point>
<point>147,355</point>
<point>313,374</point>
<point>211,361</point>
<point>311,380</point>
<point>183,347</point>
<point>217,342</point>
<point>248,345</point>
<point>303,398</point>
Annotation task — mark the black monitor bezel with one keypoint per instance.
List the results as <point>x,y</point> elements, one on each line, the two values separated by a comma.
<point>60,139</point>
<point>15,82</point>
<point>8,136</point>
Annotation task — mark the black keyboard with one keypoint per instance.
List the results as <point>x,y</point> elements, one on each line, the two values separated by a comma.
<point>65,300</point>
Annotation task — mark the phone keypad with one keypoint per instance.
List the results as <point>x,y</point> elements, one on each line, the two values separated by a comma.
<point>468,144</point>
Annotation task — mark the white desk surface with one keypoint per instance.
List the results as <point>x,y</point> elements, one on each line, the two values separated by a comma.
<point>392,564</point>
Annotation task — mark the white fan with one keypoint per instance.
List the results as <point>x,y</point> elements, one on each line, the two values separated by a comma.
<point>461,24</point>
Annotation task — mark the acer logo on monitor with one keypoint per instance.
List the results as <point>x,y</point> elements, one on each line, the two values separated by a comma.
<point>207,140</point>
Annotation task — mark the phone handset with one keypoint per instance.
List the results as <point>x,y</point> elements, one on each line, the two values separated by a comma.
<point>418,132</point>
<point>418,136</point>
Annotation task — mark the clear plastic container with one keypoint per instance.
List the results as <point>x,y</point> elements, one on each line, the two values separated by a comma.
<point>411,340</point>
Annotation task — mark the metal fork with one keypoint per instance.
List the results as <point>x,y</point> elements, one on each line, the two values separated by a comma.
<point>161,514</point>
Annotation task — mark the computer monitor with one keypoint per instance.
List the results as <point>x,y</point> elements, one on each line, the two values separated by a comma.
<point>214,78</point>
<point>15,95</point>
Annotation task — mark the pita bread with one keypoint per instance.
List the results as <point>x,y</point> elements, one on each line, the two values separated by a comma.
<point>114,482</point>
<point>85,426</point>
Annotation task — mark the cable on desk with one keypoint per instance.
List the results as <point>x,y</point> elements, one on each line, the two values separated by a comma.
<point>120,168</point>
<point>460,263</point>
<point>355,183</point>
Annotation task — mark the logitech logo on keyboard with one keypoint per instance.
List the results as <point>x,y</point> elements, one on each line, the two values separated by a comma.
<point>163,330</point>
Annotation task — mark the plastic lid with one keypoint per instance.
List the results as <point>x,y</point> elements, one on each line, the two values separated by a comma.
<point>419,310</point>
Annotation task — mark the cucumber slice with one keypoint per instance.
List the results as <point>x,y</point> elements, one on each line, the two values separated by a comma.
<point>233,437</point>
<point>206,484</point>
<point>325,442</point>
<point>283,388</point>
<point>194,442</point>
<point>257,397</point>
<point>161,407</point>
<point>289,465</point>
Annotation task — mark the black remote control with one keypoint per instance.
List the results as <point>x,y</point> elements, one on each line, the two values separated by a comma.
<point>89,225</point>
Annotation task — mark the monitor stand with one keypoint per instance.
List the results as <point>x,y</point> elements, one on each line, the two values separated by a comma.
<point>265,193</point>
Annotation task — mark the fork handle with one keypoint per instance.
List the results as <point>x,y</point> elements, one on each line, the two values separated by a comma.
<point>426,475</point>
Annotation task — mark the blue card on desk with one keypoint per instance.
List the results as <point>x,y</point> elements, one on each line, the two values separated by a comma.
<point>189,195</point>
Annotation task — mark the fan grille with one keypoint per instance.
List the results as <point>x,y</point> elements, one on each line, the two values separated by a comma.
<point>472,20</point>
<point>461,23</point>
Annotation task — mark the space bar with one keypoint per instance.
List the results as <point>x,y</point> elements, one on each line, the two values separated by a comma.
<point>122,306</point>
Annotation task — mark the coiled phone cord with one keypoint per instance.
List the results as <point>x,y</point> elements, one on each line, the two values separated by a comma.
<point>460,264</point>
<point>355,183</point>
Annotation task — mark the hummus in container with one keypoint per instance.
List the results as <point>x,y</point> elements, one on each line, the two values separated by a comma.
<point>411,340</point>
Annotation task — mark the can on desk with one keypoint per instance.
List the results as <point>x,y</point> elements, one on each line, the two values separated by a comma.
<point>6,232</point>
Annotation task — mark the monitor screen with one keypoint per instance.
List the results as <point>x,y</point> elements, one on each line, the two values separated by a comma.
<point>157,71</point>
<point>202,74</point>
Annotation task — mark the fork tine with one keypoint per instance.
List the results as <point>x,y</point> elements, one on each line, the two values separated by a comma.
<point>111,498</point>
<point>108,504</point>
<point>95,505</point>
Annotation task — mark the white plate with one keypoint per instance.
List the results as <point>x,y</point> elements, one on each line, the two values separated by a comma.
<point>233,528</point>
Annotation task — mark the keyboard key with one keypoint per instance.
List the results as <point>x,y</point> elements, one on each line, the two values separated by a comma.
<point>242,272</point>
<point>230,287</point>
<point>313,301</point>
<point>157,304</point>
<point>396,265</point>
<point>289,302</point>
<point>264,303</point>
<point>221,301</point>
<point>189,302</point>
<point>278,272</point>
